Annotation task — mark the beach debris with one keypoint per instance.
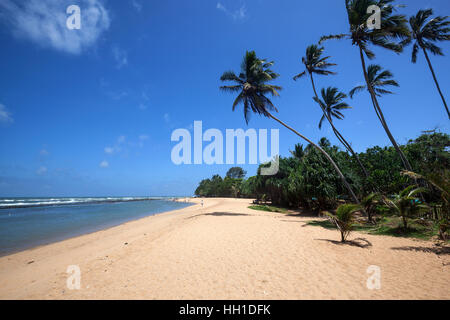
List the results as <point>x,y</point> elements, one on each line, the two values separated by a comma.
<point>126,243</point>
<point>30,262</point>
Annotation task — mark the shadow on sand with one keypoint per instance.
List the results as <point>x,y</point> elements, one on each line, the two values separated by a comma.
<point>220,214</point>
<point>358,242</point>
<point>437,250</point>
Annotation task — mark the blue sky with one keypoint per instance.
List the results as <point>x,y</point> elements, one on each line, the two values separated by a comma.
<point>90,112</point>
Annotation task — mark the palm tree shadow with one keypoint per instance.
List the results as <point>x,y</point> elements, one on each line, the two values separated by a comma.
<point>436,250</point>
<point>220,214</point>
<point>358,242</point>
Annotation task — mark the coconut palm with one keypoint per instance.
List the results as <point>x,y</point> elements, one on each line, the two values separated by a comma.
<point>378,79</point>
<point>426,33</point>
<point>252,86</point>
<point>344,219</point>
<point>332,104</point>
<point>316,64</point>
<point>393,28</point>
<point>369,203</point>
<point>406,204</point>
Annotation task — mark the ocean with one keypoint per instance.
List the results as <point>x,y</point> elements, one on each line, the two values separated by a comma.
<point>29,222</point>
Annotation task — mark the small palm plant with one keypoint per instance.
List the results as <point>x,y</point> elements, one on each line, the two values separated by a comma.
<point>406,204</point>
<point>344,219</point>
<point>425,33</point>
<point>369,203</point>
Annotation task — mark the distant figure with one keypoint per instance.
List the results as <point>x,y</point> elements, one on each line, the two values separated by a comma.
<point>202,203</point>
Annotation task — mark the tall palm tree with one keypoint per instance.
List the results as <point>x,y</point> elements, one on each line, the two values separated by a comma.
<point>378,79</point>
<point>393,27</point>
<point>332,104</point>
<point>425,33</point>
<point>316,64</point>
<point>252,88</point>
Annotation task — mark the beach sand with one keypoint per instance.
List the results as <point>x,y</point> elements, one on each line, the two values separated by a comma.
<point>224,250</point>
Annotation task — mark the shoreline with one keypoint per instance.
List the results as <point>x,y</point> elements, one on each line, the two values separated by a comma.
<point>85,231</point>
<point>224,250</point>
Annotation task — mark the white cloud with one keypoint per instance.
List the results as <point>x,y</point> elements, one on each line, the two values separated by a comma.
<point>238,14</point>
<point>104,164</point>
<point>44,22</point>
<point>5,115</point>
<point>166,118</point>
<point>44,152</point>
<point>121,139</point>
<point>117,147</point>
<point>137,5</point>
<point>42,170</point>
<point>143,106</point>
<point>121,57</point>
<point>143,137</point>
<point>109,150</point>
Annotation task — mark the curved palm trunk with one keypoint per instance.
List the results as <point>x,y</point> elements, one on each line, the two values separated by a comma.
<point>338,134</point>
<point>435,80</point>
<point>380,114</point>
<point>344,181</point>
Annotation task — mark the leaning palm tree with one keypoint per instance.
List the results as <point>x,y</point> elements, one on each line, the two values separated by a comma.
<point>425,33</point>
<point>316,64</point>
<point>252,88</point>
<point>393,27</point>
<point>332,105</point>
<point>378,79</point>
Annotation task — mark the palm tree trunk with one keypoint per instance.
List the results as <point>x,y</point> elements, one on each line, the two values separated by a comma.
<point>435,80</point>
<point>380,115</point>
<point>337,133</point>
<point>344,181</point>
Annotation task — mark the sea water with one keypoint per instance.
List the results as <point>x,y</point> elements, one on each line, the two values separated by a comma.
<point>30,222</point>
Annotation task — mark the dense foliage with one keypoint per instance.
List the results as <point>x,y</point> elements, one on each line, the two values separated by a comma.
<point>306,179</point>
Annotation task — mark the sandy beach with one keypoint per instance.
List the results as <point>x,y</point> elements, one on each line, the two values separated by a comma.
<point>224,250</point>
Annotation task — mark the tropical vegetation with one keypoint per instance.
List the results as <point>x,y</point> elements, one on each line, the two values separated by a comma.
<point>409,181</point>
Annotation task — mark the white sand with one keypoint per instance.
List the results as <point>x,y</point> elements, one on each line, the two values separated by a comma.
<point>226,251</point>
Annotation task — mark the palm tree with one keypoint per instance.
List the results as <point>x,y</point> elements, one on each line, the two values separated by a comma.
<point>378,79</point>
<point>332,104</point>
<point>316,64</point>
<point>252,88</point>
<point>425,33</point>
<point>369,203</point>
<point>393,27</point>
<point>344,219</point>
<point>406,205</point>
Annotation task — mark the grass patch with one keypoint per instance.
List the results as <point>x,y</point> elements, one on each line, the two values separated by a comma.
<point>388,226</point>
<point>268,208</point>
